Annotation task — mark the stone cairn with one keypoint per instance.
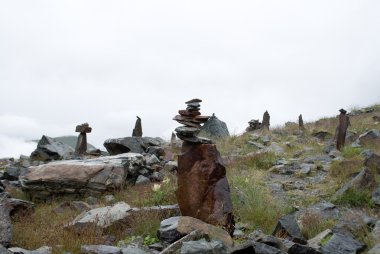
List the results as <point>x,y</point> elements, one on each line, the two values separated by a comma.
<point>191,119</point>
<point>137,131</point>
<point>253,125</point>
<point>266,121</point>
<point>203,191</point>
<point>81,147</point>
<point>300,123</point>
<point>341,130</point>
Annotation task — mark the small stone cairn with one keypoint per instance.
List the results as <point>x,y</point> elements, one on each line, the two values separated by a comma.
<point>81,146</point>
<point>253,125</point>
<point>192,119</point>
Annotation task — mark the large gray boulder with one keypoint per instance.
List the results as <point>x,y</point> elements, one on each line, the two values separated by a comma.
<point>214,128</point>
<point>49,149</point>
<point>203,247</point>
<point>42,250</point>
<point>342,244</point>
<point>116,146</point>
<point>365,180</point>
<point>79,177</point>
<point>100,249</point>
<point>102,217</point>
<point>172,229</point>
<point>5,227</point>
<point>287,228</point>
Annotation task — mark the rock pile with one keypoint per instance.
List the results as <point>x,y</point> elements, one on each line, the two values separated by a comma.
<point>192,119</point>
<point>253,125</point>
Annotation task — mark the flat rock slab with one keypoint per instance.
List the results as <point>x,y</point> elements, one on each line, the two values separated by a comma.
<point>102,217</point>
<point>79,177</point>
<point>172,229</point>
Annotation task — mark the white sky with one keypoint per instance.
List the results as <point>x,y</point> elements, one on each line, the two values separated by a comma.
<point>63,63</point>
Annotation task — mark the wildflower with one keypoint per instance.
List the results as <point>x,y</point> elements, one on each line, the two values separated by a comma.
<point>156,187</point>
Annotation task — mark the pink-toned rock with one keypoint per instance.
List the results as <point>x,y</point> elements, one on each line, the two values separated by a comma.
<point>203,191</point>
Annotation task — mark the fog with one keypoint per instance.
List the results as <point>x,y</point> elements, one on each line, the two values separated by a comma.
<point>63,63</point>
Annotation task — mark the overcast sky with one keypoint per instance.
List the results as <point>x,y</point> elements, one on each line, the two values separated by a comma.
<point>63,63</point>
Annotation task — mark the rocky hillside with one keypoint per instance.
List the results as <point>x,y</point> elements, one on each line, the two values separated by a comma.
<point>292,192</point>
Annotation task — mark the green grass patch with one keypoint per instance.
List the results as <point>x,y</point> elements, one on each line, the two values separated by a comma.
<point>254,204</point>
<point>355,198</point>
<point>351,152</point>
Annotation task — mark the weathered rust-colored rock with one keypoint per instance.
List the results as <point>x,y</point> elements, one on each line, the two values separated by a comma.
<point>137,131</point>
<point>266,121</point>
<point>344,122</point>
<point>203,191</point>
<point>81,146</point>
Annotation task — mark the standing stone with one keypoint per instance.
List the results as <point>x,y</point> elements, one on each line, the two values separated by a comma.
<point>81,146</point>
<point>137,131</point>
<point>300,123</point>
<point>344,122</point>
<point>266,121</point>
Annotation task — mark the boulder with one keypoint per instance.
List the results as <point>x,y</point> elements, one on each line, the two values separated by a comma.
<point>18,207</point>
<point>375,249</point>
<point>376,197</point>
<point>317,241</point>
<point>322,135</point>
<point>203,191</point>
<point>131,144</point>
<point>287,228</point>
<point>102,217</point>
<point>42,250</point>
<point>369,136</point>
<point>203,247</point>
<point>79,177</point>
<point>214,128</point>
<point>172,229</point>
<point>49,149</point>
<point>3,250</point>
<point>5,227</point>
<point>100,249</point>
<point>363,181</point>
<point>342,244</point>
<point>372,161</point>
<point>13,173</point>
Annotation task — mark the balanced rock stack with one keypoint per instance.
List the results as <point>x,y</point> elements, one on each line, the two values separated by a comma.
<point>192,119</point>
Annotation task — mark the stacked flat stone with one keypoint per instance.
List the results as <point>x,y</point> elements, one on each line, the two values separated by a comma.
<point>192,119</point>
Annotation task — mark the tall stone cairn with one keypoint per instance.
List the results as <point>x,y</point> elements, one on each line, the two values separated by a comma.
<point>266,121</point>
<point>300,123</point>
<point>341,130</point>
<point>81,147</point>
<point>203,191</point>
<point>137,131</point>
